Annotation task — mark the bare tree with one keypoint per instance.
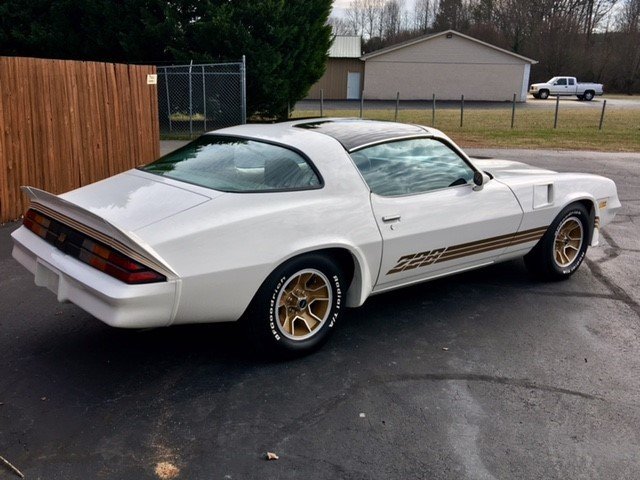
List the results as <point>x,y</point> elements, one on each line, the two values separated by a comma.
<point>355,17</point>
<point>340,26</point>
<point>629,17</point>
<point>423,15</point>
<point>373,17</point>
<point>364,17</point>
<point>629,25</point>
<point>452,14</point>
<point>391,19</point>
<point>586,38</point>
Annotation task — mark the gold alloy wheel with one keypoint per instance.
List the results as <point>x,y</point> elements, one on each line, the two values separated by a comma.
<point>568,242</point>
<point>304,304</point>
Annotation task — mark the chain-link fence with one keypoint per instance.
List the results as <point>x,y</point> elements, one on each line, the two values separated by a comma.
<point>193,99</point>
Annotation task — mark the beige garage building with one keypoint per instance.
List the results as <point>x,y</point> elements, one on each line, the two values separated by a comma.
<point>447,64</point>
<point>344,75</point>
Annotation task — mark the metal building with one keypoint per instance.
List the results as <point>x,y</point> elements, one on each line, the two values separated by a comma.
<point>345,71</point>
<point>447,64</point>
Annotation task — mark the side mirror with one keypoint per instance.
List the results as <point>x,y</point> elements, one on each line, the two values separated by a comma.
<point>480,179</point>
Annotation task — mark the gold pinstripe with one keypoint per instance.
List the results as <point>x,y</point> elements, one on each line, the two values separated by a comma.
<point>411,261</point>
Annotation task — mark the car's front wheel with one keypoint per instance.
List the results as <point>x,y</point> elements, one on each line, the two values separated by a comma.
<point>543,94</point>
<point>297,306</point>
<point>561,250</point>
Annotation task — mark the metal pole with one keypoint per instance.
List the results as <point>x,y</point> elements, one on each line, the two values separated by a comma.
<point>322,102</point>
<point>190,101</point>
<point>433,111</point>
<point>166,85</point>
<point>513,110</point>
<point>555,120</point>
<point>361,103</point>
<point>288,109</point>
<point>395,118</point>
<point>243,92</point>
<point>204,100</point>
<point>604,105</point>
<point>461,110</point>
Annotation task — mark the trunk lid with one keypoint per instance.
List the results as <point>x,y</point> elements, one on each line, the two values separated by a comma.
<point>113,209</point>
<point>133,200</point>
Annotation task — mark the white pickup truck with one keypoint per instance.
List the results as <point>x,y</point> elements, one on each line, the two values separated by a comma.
<point>566,86</point>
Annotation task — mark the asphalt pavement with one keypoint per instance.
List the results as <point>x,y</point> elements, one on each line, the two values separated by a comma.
<point>485,375</point>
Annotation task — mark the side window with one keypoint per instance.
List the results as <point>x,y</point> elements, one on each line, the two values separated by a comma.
<point>236,165</point>
<point>562,81</point>
<point>571,81</point>
<point>408,167</point>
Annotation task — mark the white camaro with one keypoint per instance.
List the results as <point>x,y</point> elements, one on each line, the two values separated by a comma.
<point>285,225</point>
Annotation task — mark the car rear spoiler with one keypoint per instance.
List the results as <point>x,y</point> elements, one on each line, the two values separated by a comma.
<point>97,228</point>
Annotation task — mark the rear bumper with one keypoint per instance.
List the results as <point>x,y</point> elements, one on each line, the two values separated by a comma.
<point>111,301</point>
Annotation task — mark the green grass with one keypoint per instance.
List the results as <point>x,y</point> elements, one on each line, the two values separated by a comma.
<point>488,128</point>
<point>621,96</point>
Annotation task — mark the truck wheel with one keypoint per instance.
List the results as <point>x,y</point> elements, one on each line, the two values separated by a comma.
<point>535,95</point>
<point>544,94</point>
<point>588,95</point>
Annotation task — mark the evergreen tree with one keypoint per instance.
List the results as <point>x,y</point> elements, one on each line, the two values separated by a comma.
<point>285,41</point>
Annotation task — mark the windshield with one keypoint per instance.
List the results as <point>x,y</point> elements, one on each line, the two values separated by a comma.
<point>552,80</point>
<point>235,164</point>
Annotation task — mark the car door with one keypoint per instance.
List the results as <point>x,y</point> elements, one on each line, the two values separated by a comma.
<point>559,87</point>
<point>432,217</point>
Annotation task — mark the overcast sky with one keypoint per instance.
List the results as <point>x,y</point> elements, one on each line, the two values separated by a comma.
<point>339,7</point>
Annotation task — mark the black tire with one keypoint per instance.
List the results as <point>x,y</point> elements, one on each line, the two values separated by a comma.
<point>588,95</point>
<point>535,95</point>
<point>580,97</point>
<point>280,319</point>
<point>543,94</point>
<point>562,248</point>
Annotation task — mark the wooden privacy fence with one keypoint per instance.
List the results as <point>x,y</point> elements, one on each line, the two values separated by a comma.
<point>64,124</point>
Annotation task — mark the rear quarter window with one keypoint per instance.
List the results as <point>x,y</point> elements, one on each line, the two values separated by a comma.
<point>234,164</point>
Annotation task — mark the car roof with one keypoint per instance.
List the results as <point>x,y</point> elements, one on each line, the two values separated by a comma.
<point>355,133</point>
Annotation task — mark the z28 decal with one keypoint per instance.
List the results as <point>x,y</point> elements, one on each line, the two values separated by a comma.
<point>429,257</point>
<point>415,260</point>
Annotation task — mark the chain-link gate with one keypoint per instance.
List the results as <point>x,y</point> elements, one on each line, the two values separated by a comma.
<point>193,99</point>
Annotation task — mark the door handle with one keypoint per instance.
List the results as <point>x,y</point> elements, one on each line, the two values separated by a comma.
<point>391,218</point>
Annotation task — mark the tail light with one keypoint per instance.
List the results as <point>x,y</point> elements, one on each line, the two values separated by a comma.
<point>96,254</point>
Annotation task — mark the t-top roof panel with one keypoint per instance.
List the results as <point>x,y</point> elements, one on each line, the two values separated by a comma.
<point>354,133</point>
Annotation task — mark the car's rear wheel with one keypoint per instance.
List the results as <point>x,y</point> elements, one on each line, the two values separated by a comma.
<point>588,95</point>
<point>543,94</point>
<point>297,306</point>
<point>561,250</point>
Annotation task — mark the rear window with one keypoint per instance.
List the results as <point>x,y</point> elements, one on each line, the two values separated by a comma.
<point>234,164</point>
